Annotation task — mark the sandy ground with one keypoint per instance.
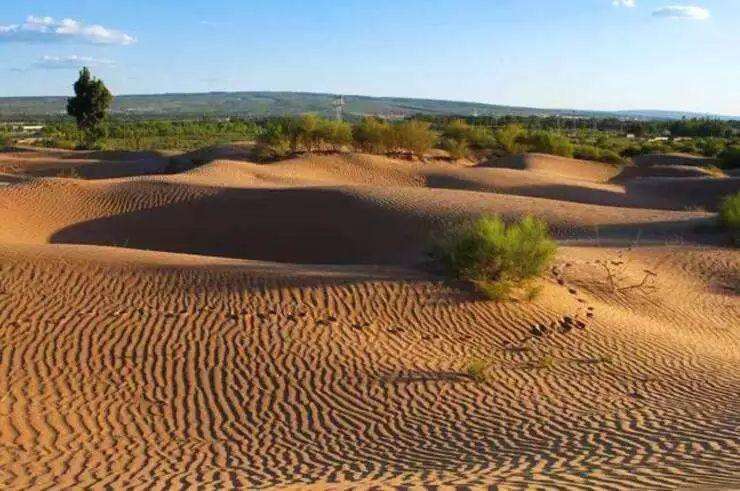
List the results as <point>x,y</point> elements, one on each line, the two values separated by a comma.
<point>269,325</point>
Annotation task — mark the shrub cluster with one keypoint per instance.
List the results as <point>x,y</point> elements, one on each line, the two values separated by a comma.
<point>548,142</point>
<point>494,257</point>
<point>590,152</point>
<point>515,139</point>
<point>312,133</point>
<point>729,158</point>
<point>510,137</point>
<point>459,138</point>
<point>729,216</point>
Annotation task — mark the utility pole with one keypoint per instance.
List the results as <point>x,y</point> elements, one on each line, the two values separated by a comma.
<point>339,107</point>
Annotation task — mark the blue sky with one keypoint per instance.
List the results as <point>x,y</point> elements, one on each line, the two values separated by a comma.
<point>585,54</point>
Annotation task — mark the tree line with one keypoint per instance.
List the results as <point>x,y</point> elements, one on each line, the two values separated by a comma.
<point>463,137</point>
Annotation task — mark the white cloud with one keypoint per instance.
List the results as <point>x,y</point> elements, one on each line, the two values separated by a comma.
<point>624,3</point>
<point>682,12</point>
<point>47,29</point>
<point>72,62</point>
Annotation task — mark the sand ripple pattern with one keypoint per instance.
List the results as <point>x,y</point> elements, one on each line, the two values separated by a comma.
<point>149,370</point>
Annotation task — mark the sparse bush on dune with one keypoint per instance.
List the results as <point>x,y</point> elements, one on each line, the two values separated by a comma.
<point>497,259</point>
<point>686,146</point>
<point>548,142</point>
<point>274,141</point>
<point>509,137</point>
<point>729,158</point>
<point>5,141</point>
<point>309,132</point>
<point>586,152</point>
<point>729,216</point>
<point>458,149</point>
<point>334,134</point>
<point>371,135</point>
<point>589,152</point>
<point>412,136</point>
<point>305,132</point>
<point>474,136</point>
<point>710,147</point>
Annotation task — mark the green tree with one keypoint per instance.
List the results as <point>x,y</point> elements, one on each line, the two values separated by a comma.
<point>90,105</point>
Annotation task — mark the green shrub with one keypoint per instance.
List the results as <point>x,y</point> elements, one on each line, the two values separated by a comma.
<point>611,157</point>
<point>509,137</point>
<point>334,134</point>
<point>729,215</point>
<point>632,151</point>
<point>308,132</point>
<point>413,136</point>
<point>686,146</point>
<point>549,142</point>
<point>475,136</point>
<point>372,135</point>
<point>5,141</point>
<point>305,131</point>
<point>710,147</point>
<point>458,149</point>
<point>730,157</point>
<point>589,152</point>
<point>656,147</point>
<point>494,257</point>
<point>274,141</point>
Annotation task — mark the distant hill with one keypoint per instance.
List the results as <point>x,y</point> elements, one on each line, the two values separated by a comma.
<point>257,104</point>
<point>657,114</point>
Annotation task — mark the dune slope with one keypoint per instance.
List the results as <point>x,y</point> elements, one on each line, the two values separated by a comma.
<point>268,325</point>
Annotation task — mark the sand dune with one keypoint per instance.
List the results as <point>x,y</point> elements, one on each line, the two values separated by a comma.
<point>558,166</point>
<point>268,325</point>
<point>88,165</point>
<point>635,172</point>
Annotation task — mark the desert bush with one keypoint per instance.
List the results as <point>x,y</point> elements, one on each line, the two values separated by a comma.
<point>590,152</point>
<point>729,158</point>
<point>494,257</point>
<point>686,146</point>
<point>656,147</point>
<point>587,152</point>
<point>710,147</point>
<point>334,134</point>
<point>611,157</point>
<point>475,136</point>
<point>5,141</point>
<point>509,137</point>
<point>308,132</point>
<point>549,142</point>
<point>413,136</point>
<point>476,368</point>
<point>729,215</point>
<point>305,132</point>
<point>274,141</point>
<point>458,149</point>
<point>372,135</point>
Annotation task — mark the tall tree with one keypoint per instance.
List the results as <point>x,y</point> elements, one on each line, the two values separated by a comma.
<point>90,104</point>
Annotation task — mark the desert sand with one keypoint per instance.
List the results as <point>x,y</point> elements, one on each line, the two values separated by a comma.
<point>275,325</point>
